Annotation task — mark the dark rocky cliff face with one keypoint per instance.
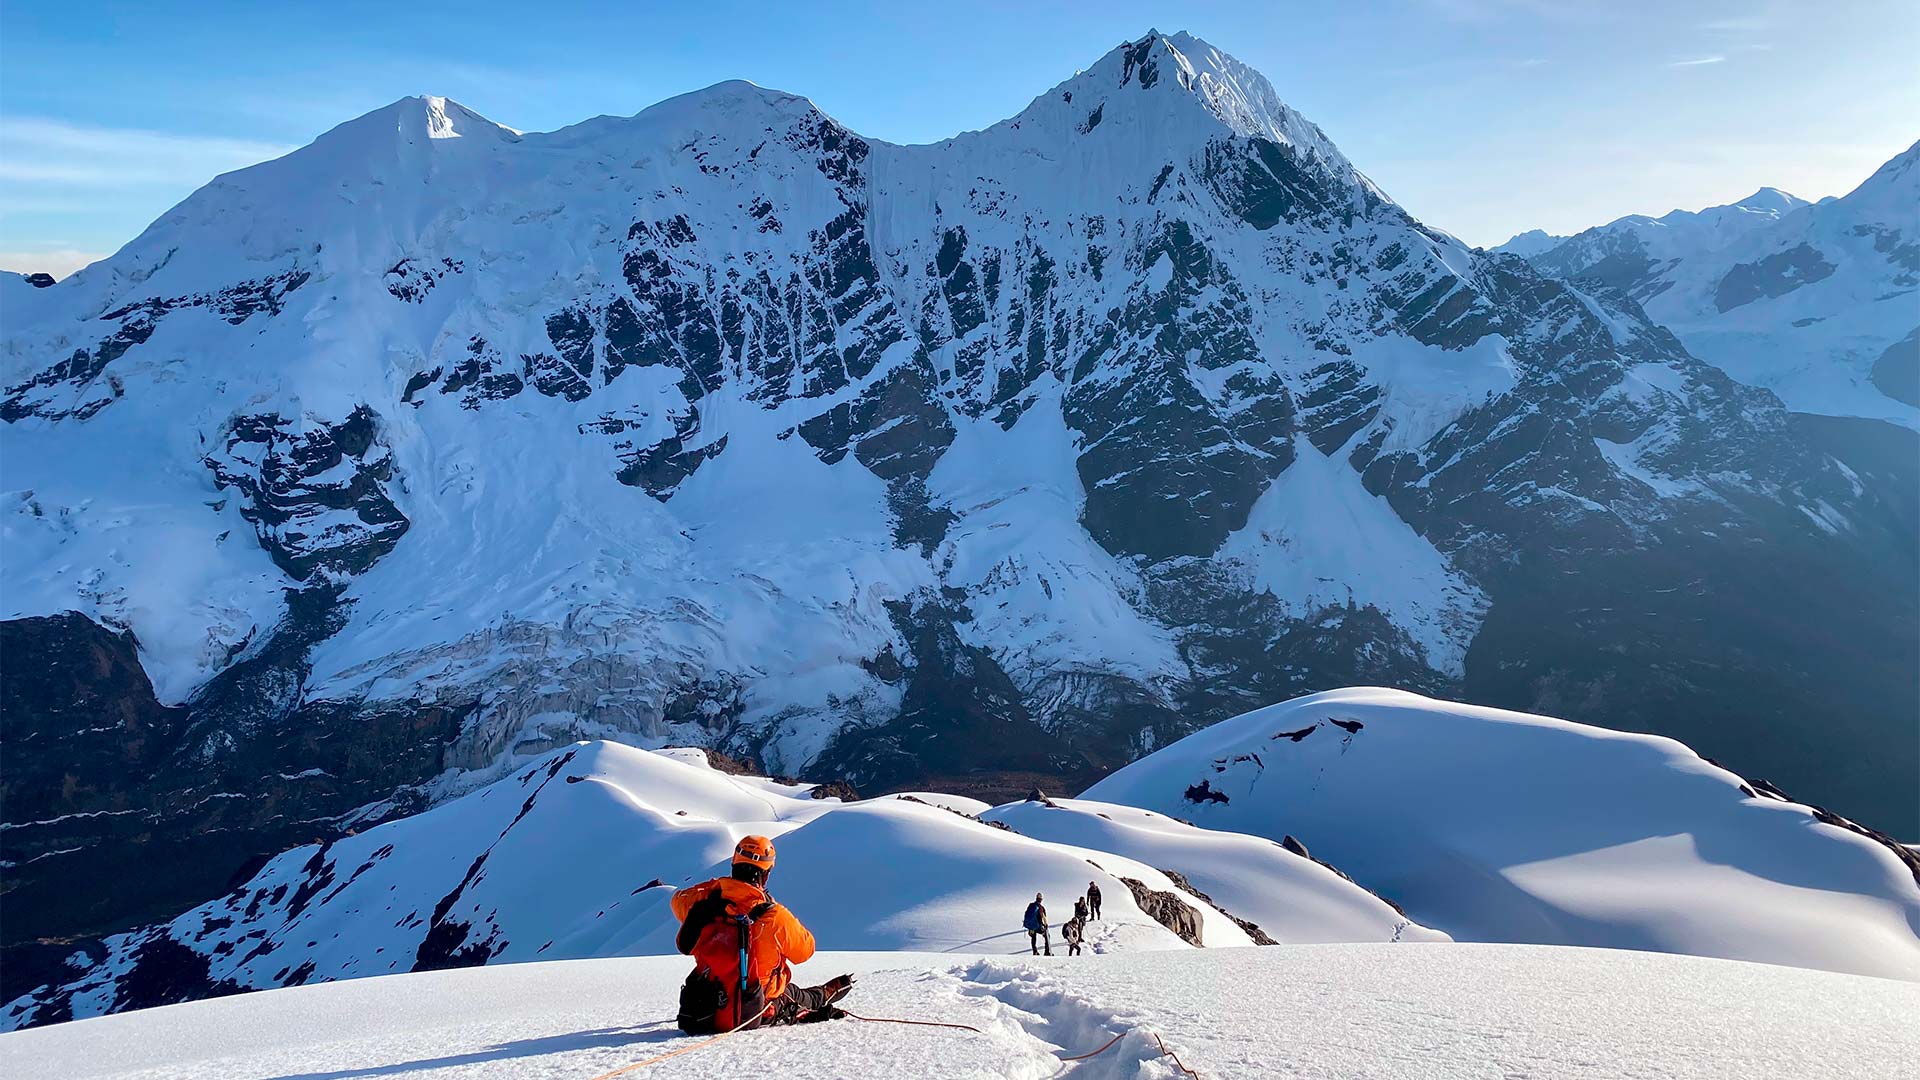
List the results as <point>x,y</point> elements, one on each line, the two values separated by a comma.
<point>122,811</point>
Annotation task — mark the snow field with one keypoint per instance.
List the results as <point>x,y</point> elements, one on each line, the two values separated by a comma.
<point>1385,1011</point>
<point>1501,826</point>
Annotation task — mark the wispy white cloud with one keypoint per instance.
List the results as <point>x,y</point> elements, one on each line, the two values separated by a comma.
<point>1747,24</point>
<point>56,261</point>
<point>1485,11</point>
<point>1697,61</point>
<point>35,151</point>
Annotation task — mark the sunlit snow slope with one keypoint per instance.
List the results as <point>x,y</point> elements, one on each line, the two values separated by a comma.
<point>1500,826</point>
<point>1374,1011</point>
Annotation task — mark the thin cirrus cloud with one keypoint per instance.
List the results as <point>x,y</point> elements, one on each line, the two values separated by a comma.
<point>40,151</point>
<point>1697,61</point>
<point>1744,24</point>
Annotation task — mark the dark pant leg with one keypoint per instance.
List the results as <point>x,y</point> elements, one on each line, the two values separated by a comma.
<point>794,1006</point>
<point>1033,941</point>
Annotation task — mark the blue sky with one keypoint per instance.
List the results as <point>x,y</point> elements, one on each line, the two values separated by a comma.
<point>1483,117</point>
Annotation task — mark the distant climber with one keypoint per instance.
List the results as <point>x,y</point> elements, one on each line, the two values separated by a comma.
<point>1036,924</point>
<point>729,920</point>
<point>1075,931</point>
<point>1080,909</point>
<point>1093,900</point>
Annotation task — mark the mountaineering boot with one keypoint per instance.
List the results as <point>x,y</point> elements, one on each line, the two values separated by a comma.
<point>837,988</point>
<point>812,1004</point>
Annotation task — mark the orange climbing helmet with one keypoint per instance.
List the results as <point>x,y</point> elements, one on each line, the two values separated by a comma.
<point>756,850</point>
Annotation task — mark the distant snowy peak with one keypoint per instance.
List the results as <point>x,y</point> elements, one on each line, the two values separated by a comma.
<point>431,117</point>
<point>1529,243</point>
<point>1813,301</point>
<point>734,101</point>
<point>397,137</point>
<point>1771,198</point>
<point>1679,233</point>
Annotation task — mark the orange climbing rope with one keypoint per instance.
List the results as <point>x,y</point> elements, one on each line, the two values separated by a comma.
<point>916,1023</point>
<point>624,1069</point>
<point>1092,1053</point>
<point>1175,1057</point>
<point>1104,1047</point>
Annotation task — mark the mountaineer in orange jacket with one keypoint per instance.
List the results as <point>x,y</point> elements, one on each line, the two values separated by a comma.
<point>741,942</point>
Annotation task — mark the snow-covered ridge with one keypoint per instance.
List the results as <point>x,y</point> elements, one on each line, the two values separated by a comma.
<point>1453,822</point>
<point>576,855</point>
<point>1501,826</point>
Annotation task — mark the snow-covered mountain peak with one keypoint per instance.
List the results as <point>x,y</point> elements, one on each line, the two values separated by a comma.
<point>1176,83</point>
<point>1529,243</point>
<point>737,98</point>
<point>409,120</point>
<point>1242,98</point>
<point>1771,198</point>
<point>341,201</point>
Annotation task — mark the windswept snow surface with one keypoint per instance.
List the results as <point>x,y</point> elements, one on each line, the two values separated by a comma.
<point>1385,1011</point>
<point>1501,826</point>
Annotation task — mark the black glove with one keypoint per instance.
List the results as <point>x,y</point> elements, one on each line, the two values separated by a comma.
<point>708,908</point>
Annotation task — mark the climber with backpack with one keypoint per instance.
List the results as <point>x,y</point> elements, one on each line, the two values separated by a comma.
<point>742,943</point>
<point>1074,933</point>
<point>1035,922</point>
